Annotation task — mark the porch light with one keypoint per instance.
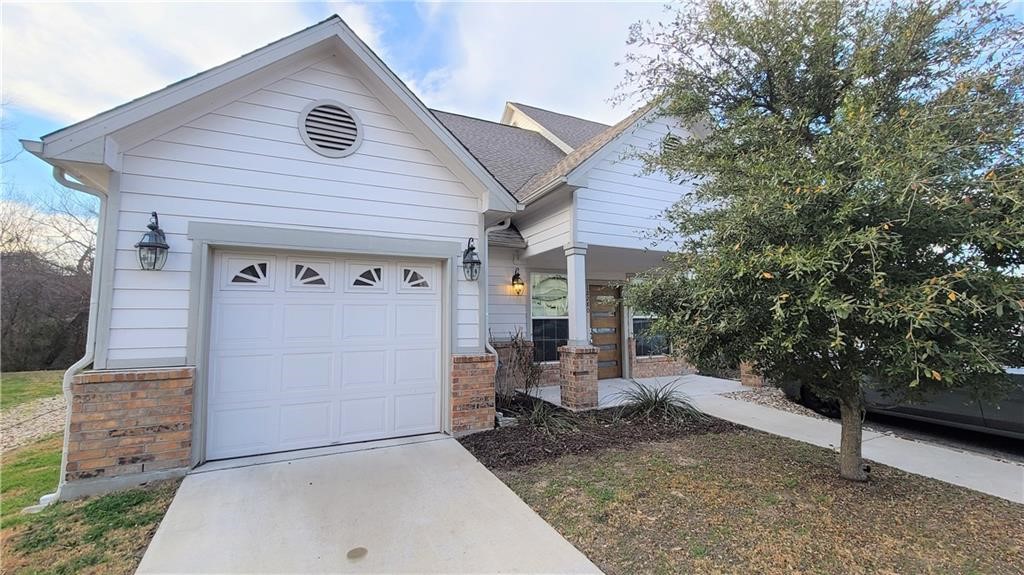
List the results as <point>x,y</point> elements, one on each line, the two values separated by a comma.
<point>517,283</point>
<point>153,246</point>
<point>471,262</point>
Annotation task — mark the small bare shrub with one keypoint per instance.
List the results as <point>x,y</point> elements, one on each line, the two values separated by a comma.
<point>516,370</point>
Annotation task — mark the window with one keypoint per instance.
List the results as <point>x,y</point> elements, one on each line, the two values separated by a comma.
<point>648,343</point>
<point>247,273</point>
<point>549,308</point>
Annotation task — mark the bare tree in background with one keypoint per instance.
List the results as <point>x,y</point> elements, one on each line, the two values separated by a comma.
<point>47,248</point>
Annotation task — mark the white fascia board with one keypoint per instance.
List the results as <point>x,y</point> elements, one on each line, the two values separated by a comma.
<point>91,174</point>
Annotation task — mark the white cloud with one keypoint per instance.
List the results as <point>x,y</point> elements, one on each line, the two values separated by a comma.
<point>71,61</point>
<point>553,55</point>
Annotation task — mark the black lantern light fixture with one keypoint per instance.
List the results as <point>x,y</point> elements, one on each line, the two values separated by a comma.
<point>153,246</point>
<point>517,283</point>
<point>471,262</point>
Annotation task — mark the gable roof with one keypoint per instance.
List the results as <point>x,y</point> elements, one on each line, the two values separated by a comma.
<point>570,129</point>
<point>507,238</point>
<point>513,155</point>
<point>542,182</point>
<point>89,137</point>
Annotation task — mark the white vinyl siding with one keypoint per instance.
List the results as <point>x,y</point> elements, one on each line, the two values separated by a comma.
<point>507,311</point>
<point>245,163</point>
<point>620,206</point>
<point>545,224</point>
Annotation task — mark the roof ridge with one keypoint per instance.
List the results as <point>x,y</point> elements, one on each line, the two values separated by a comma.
<point>559,113</point>
<point>480,119</point>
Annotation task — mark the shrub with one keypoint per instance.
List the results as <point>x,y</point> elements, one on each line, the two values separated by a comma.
<point>550,419</point>
<point>516,371</point>
<point>663,403</point>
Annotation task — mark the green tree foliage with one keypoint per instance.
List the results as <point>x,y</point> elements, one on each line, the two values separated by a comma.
<point>857,207</point>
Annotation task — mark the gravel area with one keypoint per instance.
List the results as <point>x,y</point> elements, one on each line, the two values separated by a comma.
<point>772,397</point>
<point>30,421</point>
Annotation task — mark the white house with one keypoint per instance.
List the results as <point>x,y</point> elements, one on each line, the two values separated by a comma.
<point>314,291</point>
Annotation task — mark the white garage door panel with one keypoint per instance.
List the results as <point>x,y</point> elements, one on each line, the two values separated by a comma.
<point>307,352</point>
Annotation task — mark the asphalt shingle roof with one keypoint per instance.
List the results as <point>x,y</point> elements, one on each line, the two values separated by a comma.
<point>509,238</point>
<point>512,155</point>
<point>570,129</point>
<point>580,154</point>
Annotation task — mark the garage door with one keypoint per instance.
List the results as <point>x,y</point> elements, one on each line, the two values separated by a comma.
<point>314,351</point>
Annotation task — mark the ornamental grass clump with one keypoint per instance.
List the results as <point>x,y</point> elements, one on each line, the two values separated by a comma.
<point>657,403</point>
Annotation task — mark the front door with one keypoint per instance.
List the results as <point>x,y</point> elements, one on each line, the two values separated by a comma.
<point>605,323</point>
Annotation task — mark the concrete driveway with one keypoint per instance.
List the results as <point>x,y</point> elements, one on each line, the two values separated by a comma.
<point>427,507</point>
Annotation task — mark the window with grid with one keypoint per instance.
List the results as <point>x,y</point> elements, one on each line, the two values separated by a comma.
<point>549,308</point>
<point>647,342</point>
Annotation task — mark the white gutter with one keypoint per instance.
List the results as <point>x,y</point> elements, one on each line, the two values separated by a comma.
<point>543,190</point>
<point>485,251</point>
<point>60,175</point>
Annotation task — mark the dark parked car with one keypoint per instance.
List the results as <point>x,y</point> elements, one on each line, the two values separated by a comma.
<point>956,408</point>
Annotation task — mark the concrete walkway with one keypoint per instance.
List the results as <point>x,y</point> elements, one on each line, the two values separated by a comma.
<point>987,475</point>
<point>428,507</point>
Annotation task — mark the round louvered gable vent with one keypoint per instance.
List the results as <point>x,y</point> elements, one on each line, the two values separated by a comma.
<point>330,129</point>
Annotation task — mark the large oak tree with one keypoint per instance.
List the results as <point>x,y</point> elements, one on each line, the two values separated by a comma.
<point>857,211</point>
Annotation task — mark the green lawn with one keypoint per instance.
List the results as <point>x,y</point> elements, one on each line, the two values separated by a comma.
<point>105,534</point>
<point>17,387</point>
<point>28,473</point>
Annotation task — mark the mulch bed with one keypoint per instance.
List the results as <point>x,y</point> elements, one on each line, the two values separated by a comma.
<point>523,444</point>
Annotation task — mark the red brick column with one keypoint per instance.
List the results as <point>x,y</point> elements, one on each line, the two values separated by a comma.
<point>125,422</point>
<point>472,393</point>
<point>579,376</point>
<point>749,376</point>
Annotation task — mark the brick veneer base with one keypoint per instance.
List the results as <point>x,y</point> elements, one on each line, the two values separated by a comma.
<point>550,373</point>
<point>656,366</point>
<point>472,393</point>
<point>129,422</point>
<point>579,376</point>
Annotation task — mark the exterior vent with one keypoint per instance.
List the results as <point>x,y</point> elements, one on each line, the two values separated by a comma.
<point>671,143</point>
<point>330,129</point>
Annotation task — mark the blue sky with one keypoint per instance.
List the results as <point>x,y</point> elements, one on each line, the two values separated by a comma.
<point>66,62</point>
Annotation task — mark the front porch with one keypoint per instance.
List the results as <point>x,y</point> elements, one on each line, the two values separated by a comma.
<point>609,391</point>
<point>581,330</point>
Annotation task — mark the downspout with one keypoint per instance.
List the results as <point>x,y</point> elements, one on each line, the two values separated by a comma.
<point>60,175</point>
<point>485,251</point>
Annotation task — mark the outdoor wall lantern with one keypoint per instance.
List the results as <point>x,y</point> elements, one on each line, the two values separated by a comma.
<point>153,246</point>
<point>471,262</point>
<point>517,283</point>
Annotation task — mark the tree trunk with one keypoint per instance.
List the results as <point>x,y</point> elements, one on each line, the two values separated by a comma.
<point>851,409</point>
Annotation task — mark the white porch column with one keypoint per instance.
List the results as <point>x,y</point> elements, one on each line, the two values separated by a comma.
<point>576,267</point>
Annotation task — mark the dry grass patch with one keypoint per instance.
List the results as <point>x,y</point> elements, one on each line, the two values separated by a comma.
<point>748,502</point>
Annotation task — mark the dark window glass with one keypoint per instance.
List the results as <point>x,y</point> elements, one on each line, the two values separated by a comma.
<point>548,336</point>
<point>648,343</point>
